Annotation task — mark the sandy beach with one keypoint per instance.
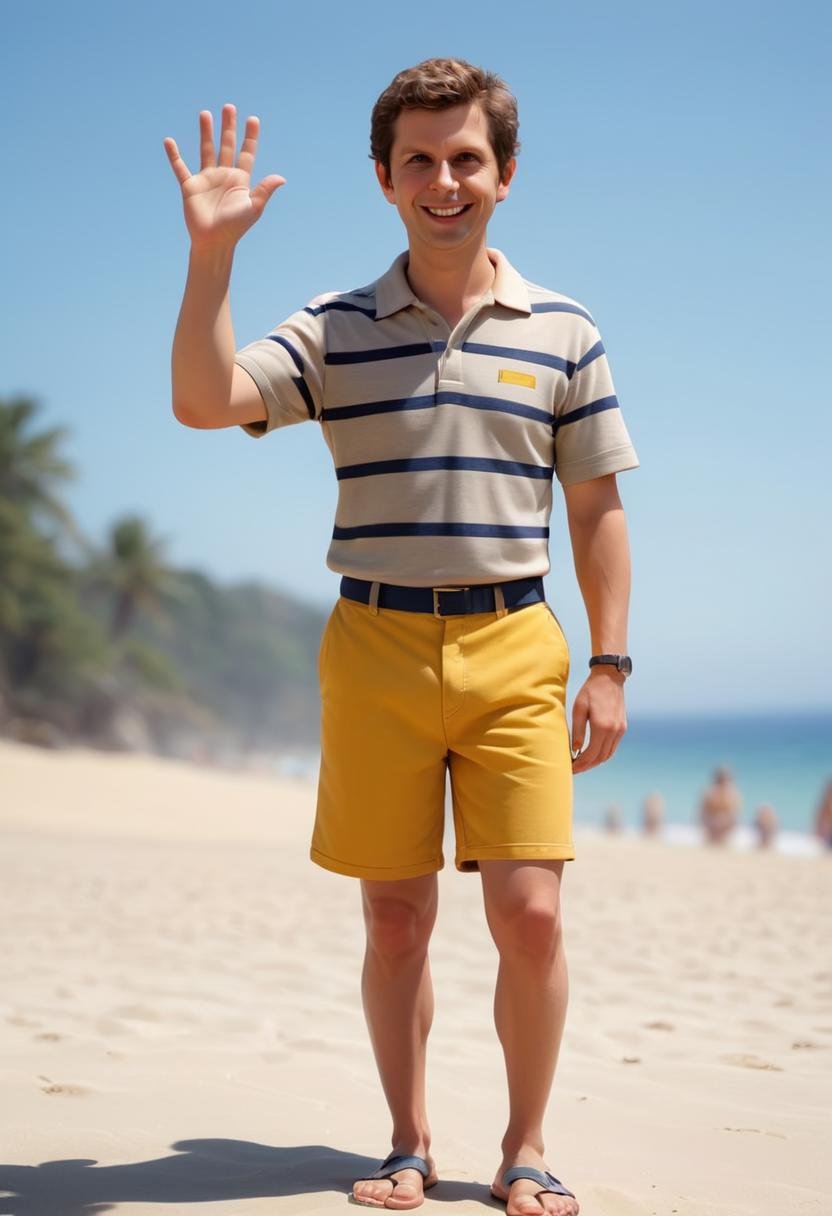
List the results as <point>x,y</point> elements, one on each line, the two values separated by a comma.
<point>181,1028</point>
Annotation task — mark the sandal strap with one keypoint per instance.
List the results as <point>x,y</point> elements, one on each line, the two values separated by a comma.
<point>546,1181</point>
<point>397,1162</point>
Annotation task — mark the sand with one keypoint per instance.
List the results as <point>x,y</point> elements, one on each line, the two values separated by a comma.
<point>181,1028</point>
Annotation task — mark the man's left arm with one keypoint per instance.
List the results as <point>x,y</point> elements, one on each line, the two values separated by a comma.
<point>601,553</point>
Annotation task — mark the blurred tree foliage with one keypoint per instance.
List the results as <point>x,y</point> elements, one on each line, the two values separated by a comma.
<point>113,646</point>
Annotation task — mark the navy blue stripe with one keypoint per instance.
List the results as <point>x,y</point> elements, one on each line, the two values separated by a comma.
<point>494,403</point>
<point>339,306</point>
<point>591,355</point>
<point>553,306</point>
<point>416,464</point>
<point>281,341</point>
<point>584,411</point>
<point>303,388</point>
<point>338,412</point>
<point>438,530</point>
<point>298,381</point>
<point>523,356</point>
<point>385,352</point>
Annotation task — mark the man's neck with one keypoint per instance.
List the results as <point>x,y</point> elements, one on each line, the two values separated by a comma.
<point>448,286</point>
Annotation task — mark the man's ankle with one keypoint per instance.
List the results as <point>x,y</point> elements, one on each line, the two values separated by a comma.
<point>411,1141</point>
<point>515,1147</point>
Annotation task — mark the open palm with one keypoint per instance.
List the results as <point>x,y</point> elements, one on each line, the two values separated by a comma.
<point>219,204</point>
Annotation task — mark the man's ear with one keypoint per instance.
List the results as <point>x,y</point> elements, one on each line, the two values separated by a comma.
<point>505,181</point>
<point>384,181</point>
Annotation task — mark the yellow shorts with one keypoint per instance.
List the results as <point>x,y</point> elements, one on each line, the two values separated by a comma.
<point>406,696</point>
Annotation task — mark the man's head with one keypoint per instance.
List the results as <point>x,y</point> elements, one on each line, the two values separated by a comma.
<point>437,84</point>
<point>443,137</point>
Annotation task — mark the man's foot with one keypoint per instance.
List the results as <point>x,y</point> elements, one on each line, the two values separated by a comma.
<point>402,1189</point>
<point>527,1196</point>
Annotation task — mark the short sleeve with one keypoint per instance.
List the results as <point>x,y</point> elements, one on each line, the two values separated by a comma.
<point>288,368</point>
<point>591,439</point>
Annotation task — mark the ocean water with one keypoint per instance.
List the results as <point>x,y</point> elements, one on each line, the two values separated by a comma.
<point>784,760</point>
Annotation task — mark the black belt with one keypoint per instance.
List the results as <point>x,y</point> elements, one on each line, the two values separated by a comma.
<point>447,601</point>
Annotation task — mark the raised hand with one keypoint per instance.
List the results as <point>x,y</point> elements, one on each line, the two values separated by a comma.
<point>220,205</point>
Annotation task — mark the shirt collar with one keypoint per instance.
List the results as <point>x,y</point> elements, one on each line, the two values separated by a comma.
<point>394,292</point>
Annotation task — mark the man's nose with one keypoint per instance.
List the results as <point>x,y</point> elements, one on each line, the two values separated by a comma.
<point>444,178</point>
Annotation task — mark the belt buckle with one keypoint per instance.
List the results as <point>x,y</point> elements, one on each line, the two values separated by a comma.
<point>436,591</point>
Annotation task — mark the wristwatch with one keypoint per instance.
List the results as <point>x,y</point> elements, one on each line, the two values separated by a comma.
<point>622,662</point>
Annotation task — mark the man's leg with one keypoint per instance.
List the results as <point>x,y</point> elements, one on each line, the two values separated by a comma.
<point>398,1004</point>
<point>522,906</point>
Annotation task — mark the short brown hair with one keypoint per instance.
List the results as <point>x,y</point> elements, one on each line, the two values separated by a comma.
<point>436,84</point>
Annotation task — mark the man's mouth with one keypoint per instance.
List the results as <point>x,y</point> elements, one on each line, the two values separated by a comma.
<point>443,213</point>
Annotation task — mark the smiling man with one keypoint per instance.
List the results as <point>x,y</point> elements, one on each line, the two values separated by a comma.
<point>450,391</point>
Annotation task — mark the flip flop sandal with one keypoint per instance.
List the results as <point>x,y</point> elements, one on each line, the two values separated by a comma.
<point>549,1184</point>
<point>392,1165</point>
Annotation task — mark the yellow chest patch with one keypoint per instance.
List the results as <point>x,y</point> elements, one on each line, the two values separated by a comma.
<point>504,376</point>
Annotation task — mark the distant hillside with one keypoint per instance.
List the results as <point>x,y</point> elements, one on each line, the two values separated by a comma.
<point>247,654</point>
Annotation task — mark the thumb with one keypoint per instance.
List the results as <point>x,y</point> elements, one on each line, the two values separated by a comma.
<point>263,191</point>
<point>580,717</point>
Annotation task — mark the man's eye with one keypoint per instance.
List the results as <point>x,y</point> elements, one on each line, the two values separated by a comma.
<point>418,156</point>
<point>467,156</point>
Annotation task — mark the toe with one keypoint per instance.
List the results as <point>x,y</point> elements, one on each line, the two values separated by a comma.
<point>409,1191</point>
<point>382,1193</point>
<point>373,1193</point>
<point>406,1195</point>
<point>558,1205</point>
<point>526,1199</point>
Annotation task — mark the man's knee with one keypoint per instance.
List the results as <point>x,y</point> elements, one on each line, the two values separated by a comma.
<point>530,929</point>
<point>396,928</point>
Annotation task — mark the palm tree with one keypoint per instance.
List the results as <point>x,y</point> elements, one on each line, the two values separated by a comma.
<point>133,572</point>
<point>31,466</point>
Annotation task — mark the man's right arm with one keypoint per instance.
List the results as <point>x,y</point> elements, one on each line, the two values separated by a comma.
<point>209,390</point>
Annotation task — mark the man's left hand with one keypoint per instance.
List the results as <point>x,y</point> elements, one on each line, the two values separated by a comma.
<point>599,704</point>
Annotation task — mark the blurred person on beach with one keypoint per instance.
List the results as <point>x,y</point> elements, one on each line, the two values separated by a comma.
<point>765,825</point>
<point>613,822</point>
<point>823,817</point>
<point>720,807</point>
<point>450,391</point>
<point>653,809</point>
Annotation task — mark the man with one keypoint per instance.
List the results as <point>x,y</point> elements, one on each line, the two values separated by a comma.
<point>449,391</point>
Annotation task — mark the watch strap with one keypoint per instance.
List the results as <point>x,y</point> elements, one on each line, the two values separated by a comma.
<point>622,662</point>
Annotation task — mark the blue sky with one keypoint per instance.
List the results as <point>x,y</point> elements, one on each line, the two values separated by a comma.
<point>674,178</point>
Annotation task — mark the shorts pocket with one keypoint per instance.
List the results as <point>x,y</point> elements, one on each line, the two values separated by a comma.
<point>324,646</point>
<point>561,636</point>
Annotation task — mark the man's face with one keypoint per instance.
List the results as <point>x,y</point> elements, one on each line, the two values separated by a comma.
<point>444,179</point>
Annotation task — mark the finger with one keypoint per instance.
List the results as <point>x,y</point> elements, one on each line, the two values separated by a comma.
<point>615,739</point>
<point>207,157</point>
<point>607,741</point>
<point>176,162</point>
<point>228,136</point>
<point>579,720</point>
<point>248,149</point>
<point>587,759</point>
<point>263,191</point>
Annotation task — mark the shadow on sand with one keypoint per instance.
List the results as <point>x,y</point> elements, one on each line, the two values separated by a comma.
<point>200,1171</point>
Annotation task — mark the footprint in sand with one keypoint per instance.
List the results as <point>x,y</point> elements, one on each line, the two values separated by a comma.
<point>659,1026</point>
<point>757,1130</point>
<point>743,1060</point>
<point>62,1087</point>
<point>48,1036</point>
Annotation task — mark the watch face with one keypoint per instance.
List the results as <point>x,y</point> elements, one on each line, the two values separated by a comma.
<point>625,665</point>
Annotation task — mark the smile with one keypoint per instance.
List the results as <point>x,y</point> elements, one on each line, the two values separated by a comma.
<point>444,212</point>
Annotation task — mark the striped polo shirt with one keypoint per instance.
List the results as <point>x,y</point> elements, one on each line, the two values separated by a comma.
<point>445,442</point>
